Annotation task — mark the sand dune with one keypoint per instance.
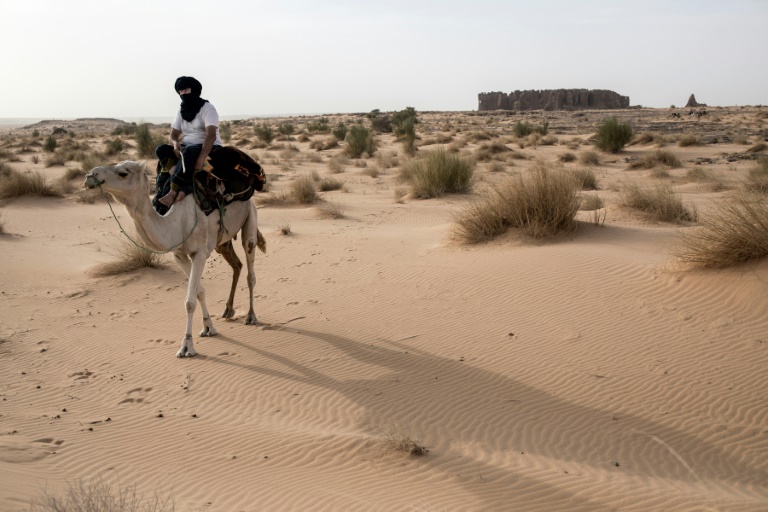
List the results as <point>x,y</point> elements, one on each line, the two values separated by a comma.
<point>583,373</point>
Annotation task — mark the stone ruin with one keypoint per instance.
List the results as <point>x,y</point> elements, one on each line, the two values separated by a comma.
<point>693,103</point>
<point>552,99</point>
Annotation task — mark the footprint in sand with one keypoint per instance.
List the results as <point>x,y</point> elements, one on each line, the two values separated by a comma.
<point>83,375</point>
<point>20,451</point>
<point>135,396</point>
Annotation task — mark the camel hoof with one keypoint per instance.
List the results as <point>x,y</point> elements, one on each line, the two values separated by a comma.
<point>251,319</point>
<point>186,352</point>
<point>208,331</point>
<point>228,313</point>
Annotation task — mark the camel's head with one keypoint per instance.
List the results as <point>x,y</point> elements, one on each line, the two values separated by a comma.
<point>124,177</point>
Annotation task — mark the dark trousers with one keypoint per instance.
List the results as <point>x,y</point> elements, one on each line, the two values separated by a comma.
<point>181,180</point>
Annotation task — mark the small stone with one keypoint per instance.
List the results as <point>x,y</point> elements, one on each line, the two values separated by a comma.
<point>616,464</point>
<point>194,415</point>
<point>160,415</point>
<point>90,429</point>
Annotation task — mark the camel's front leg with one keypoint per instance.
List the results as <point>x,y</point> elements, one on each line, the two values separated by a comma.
<point>249,244</point>
<point>195,291</point>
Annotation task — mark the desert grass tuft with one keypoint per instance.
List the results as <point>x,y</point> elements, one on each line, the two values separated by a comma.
<point>735,233</point>
<point>328,184</point>
<point>658,157</point>
<point>591,202</point>
<point>567,157</point>
<point>689,139</point>
<point>17,184</point>
<point>757,179</point>
<point>658,200</point>
<point>400,193</point>
<point>398,438</point>
<point>285,229</point>
<point>586,179</point>
<point>96,495</point>
<point>590,157</point>
<point>330,210</point>
<point>129,258</point>
<point>758,148</point>
<point>303,190</point>
<point>542,203</point>
<point>439,173</point>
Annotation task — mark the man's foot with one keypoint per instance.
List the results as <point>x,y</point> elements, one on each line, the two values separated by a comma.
<point>169,198</point>
<point>172,197</point>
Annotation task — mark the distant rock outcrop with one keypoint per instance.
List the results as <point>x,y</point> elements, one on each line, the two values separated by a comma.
<point>553,99</point>
<point>693,103</point>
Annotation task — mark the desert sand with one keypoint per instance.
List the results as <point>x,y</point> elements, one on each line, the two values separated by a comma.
<point>586,372</point>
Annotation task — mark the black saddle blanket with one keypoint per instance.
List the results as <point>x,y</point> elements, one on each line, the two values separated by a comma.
<point>230,175</point>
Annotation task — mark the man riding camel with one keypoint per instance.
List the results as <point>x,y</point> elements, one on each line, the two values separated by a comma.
<point>194,134</point>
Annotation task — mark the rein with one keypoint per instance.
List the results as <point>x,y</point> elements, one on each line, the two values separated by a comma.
<point>139,246</point>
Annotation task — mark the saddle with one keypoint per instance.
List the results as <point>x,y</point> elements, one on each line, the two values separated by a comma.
<point>229,175</point>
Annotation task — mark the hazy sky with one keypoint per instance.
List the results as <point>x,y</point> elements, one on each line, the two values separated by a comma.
<point>105,58</point>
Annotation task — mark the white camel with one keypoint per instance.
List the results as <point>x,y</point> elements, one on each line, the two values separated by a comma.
<point>127,182</point>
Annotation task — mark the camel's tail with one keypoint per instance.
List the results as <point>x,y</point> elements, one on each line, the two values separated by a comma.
<point>261,242</point>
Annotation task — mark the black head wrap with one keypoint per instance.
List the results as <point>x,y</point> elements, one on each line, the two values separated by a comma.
<point>192,102</point>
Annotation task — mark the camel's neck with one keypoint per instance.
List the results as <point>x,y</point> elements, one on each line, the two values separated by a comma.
<point>159,232</point>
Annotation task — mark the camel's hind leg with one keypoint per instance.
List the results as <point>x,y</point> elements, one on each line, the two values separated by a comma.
<point>227,250</point>
<point>252,239</point>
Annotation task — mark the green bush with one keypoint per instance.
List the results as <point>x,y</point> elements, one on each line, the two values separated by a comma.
<point>319,126</point>
<point>407,133</point>
<point>359,140</point>
<point>439,173</point>
<point>340,131</point>
<point>522,129</point>
<point>50,144</point>
<point>146,141</point>
<point>264,132</point>
<point>225,130</point>
<point>612,135</point>
<point>286,129</point>
<point>380,123</point>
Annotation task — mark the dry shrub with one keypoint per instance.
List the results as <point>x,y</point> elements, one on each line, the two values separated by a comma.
<point>439,173</point>
<point>646,138</point>
<point>400,193</point>
<point>285,229</point>
<point>324,144</point>
<point>336,164</point>
<point>129,258</point>
<point>496,167</point>
<point>373,172</point>
<point>98,496</point>
<point>567,157</point>
<point>73,172</point>
<point>591,202</point>
<point>736,232</point>
<point>490,150</point>
<point>272,199</point>
<point>586,179</point>
<point>659,200</point>
<point>689,139</point>
<point>590,157</point>
<point>757,179</point>
<point>303,190</point>
<point>88,196</point>
<point>387,159</point>
<point>548,140</point>
<point>542,203</point>
<point>574,143</point>
<point>758,148</point>
<point>330,210</point>
<point>328,184</point>
<point>658,157</point>
<point>399,439</point>
<point>17,184</point>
